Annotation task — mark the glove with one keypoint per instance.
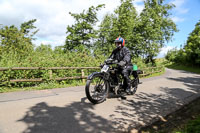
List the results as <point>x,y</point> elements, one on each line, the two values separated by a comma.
<point>122,63</point>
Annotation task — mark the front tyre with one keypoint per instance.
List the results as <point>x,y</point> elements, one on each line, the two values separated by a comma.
<point>96,89</point>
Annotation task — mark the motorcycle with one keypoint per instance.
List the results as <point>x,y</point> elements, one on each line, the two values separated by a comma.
<point>109,81</point>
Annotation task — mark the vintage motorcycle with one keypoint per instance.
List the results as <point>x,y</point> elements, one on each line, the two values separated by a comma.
<point>109,81</point>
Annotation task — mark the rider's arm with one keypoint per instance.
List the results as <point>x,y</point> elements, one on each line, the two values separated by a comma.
<point>127,55</point>
<point>112,56</point>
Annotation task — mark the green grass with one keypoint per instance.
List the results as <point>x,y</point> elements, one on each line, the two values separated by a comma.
<point>42,86</point>
<point>155,74</point>
<point>193,126</point>
<point>184,67</point>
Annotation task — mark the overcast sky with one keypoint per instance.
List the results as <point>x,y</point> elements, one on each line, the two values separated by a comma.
<point>53,16</point>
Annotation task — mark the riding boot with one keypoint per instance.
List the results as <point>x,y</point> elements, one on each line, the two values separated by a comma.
<point>128,88</point>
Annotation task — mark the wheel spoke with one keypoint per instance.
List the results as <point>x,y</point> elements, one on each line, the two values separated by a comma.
<point>98,89</point>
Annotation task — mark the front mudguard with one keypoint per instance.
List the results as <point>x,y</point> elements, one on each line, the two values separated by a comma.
<point>93,74</point>
<point>87,88</point>
<point>105,75</point>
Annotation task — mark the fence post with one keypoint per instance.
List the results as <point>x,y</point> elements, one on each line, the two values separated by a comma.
<point>143,73</point>
<point>82,74</point>
<point>50,74</point>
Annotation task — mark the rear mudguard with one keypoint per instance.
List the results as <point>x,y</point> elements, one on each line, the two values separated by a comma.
<point>136,73</point>
<point>139,71</point>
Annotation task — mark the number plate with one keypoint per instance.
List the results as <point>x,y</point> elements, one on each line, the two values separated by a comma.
<point>105,68</point>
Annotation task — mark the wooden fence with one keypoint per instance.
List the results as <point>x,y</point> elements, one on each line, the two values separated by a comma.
<point>83,76</point>
<point>151,70</point>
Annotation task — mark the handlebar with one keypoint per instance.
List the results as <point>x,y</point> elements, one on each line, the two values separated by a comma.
<point>111,61</point>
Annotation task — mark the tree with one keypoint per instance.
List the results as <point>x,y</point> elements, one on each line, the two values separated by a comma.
<point>190,53</point>
<point>145,34</point>
<point>27,27</point>
<point>192,48</point>
<point>155,27</point>
<point>17,41</point>
<point>104,43</point>
<point>120,23</point>
<point>82,31</point>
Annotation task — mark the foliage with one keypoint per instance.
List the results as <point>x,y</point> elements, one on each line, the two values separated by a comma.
<point>155,27</point>
<point>190,53</point>
<point>184,67</point>
<point>171,55</point>
<point>145,34</point>
<point>104,44</point>
<point>192,48</point>
<point>17,42</point>
<point>81,33</point>
<point>44,56</point>
<point>120,23</point>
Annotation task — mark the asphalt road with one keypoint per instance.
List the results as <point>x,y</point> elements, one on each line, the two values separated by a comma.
<point>67,110</point>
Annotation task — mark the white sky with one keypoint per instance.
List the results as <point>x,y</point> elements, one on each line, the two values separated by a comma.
<point>52,15</point>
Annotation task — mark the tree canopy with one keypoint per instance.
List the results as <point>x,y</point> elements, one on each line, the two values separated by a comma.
<point>17,41</point>
<point>190,53</point>
<point>145,33</point>
<point>81,33</point>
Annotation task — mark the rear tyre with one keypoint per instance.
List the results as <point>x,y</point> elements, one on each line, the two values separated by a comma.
<point>134,82</point>
<point>96,89</point>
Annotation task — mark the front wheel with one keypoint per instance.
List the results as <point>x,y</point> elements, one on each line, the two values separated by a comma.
<point>96,89</point>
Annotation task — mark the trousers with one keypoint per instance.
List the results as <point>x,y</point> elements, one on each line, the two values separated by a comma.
<point>126,73</point>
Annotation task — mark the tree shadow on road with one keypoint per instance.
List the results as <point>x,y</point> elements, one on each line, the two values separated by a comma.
<point>192,82</point>
<point>139,110</point>
<point>74,118</point>
<point>146,108</point>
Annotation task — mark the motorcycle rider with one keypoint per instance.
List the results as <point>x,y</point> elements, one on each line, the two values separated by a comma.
<point>123,56</point>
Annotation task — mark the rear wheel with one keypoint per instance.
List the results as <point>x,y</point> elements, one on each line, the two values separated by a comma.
<point>134,82</point>
<point>135,85</point>
<point>96,89</point>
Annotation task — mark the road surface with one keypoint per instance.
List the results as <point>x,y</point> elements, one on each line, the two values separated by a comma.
<point>67,110</point>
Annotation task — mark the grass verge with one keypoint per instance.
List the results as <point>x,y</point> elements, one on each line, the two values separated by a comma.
<point>155,74</point>
<point>184,67</point>
<point>184,120</point>
<point>42,86</point>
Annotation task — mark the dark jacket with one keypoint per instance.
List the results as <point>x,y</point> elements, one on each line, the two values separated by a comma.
<point>122,54</point>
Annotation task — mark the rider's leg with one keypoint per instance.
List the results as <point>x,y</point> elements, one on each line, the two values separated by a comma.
<point>125,73</point>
